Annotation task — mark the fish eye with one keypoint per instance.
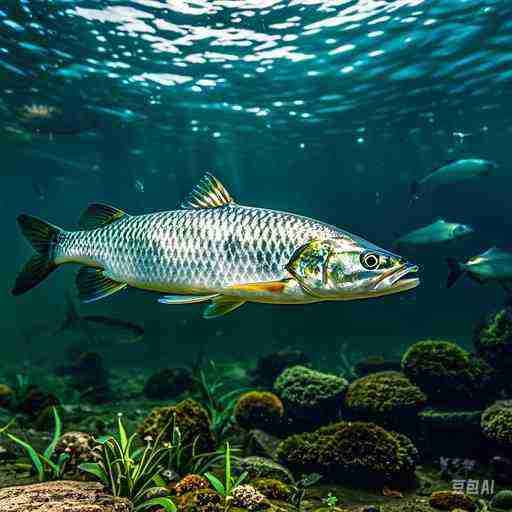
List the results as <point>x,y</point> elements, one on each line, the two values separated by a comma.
<point>370,260</point>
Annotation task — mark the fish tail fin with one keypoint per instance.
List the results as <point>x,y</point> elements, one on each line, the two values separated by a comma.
<point>43,238</point>
<point>456,271</point>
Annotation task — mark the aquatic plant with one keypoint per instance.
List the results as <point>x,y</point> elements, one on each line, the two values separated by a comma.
<point>45,465</point>
<point>300,487</point>
<point>129,472</point>
<point>449,374</point>
<point>219,405</point>
<point>386,398</point>
<point>359,452</point>
<point>330,500</point>
<point>230,482</point>
<point>262,467</point>
<point>310,395</point>
<point>258,410</point>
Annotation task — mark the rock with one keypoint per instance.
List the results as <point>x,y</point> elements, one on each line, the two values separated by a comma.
<point>60,496</point>
<point>80,447</point>
<point>449,500</point>
<point>260,467</point>
<point>269,367</point>
<point>502,500</point>
<point>246,496</point>
<point>168,383</point>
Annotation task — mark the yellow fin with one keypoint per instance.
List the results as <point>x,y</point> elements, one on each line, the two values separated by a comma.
<point>266,287</point>
<point>222,305</point>
<point>208,193</point>
<point>185,299</point>
<point>97,215</point>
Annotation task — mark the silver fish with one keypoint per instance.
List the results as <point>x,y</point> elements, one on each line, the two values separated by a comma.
<point>214,249</point>
<point>438,232</point>
<point>492,265</point>
<point>452,173</point>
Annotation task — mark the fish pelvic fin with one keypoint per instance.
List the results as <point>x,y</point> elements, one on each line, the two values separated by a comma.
<point>222,305</point>
<point>208,193</point>
<point>98,215</point>
<point>456,271</point>
<point>43,237</point>
<point>185,299</point>
<point>93,284</point>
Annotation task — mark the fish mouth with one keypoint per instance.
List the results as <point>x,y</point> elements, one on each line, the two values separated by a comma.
<point>398,280</point>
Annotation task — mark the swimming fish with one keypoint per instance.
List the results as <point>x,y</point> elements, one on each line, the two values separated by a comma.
<point>438,232</point>
<point>213,249</point>
<point>492,265</point>
<point>100,330</point>
<point>454,172</point>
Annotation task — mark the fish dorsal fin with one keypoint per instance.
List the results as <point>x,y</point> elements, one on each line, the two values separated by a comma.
<point>208,193</point>
<point>98,214</point>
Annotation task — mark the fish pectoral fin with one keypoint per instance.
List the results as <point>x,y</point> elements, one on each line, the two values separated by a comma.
<point>98,214</point>
<point>93,284</point>
<point>264,287</point>
<point>208,193</point>
<point>222,305</point>
<point>185,299</point>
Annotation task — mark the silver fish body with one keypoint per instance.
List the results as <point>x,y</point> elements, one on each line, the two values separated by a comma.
<point>214,249</point>
<point>438,232</point>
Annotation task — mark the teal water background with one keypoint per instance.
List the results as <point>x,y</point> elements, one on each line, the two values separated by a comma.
<point>325,108</point>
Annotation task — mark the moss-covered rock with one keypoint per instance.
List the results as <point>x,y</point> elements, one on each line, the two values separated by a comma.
<point>273,489</point>
<point>188,416</point>
<point>261,467</point>
<point>168,383</point>
<point>386,398</point>
<point>6,395</point>
<point>80,447</point>
<point>309,395</point>
<point>502,500</point>
<point>496,423</point>
<point>450,500</point>
<point>375,364</point>
<point>247,497</point>
<point>448,374</point>
<point>191,483</point>
<point>270,366</point>
<point>362,453</point>
<point>493,342</point>
<point>201,500</point>
<point>258,410</point>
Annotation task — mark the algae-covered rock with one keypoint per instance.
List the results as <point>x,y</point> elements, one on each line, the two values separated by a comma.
<point>80,447</point>
<point>270,366</point>
<point>387,398</point>
<point>502,500</point>
<point>201,500</point>
<point>493,339</point>
<point>362,453</point>
<point>497,423</point>
<point>310,395</point>
<point>448,374</point>
<point>375,364</point>
<point>65,496</point>
<point>191,483</point>
<point>273,489</point>
<point>168,383</point>
<point>246,496</point>
<point>258,410</point>
<point>450,500</point>
<point>188,416</point>
<point>261,467</point>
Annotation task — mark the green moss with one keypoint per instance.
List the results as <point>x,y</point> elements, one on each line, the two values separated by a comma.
<point>362,453</point>
<point>190,417</point>
<point>448,374</point>
<point>497,423</point>
<point>386,398</point>
<point>502,500</point>
<point>273,489</point>
<point>201,500</point>
<point>450,500</point>
<point>310,395</point>
<point>258,410</point>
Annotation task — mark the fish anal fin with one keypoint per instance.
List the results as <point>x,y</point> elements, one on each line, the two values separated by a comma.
<point>98,214</point>
<point>185,299</point>
<point>222,305</point>
<point>93,284</point>
<point>208,193</point>
<point>264,287</point>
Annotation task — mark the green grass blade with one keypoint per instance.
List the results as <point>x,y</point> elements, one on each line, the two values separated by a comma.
<point>48,453</point>
<point>34,456</point>
<point>95,469</point>
<point>165,503</point>
<point>123,438</point>
<point>217,484</point>
<point>229,478</point>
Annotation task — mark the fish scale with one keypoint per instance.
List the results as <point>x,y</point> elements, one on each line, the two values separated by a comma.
<point>204,250</point>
